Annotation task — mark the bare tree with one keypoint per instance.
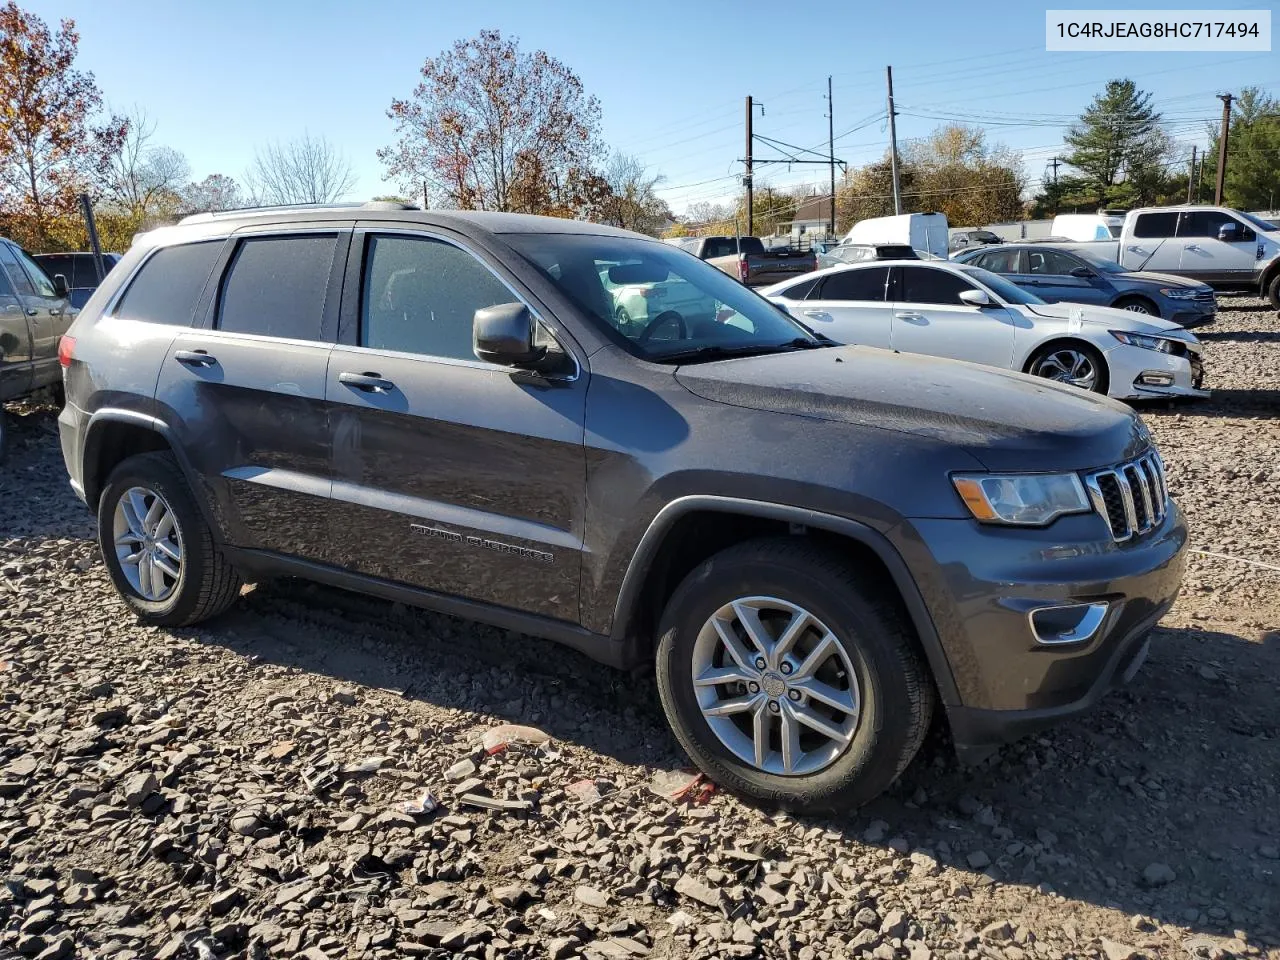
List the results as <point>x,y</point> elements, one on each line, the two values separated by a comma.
<point>631,202</point>
<point>141,176</point>
<point>215,192</point>
<point>306,170</point>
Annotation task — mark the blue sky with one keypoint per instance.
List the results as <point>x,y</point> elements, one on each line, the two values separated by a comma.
<point>220,78</point>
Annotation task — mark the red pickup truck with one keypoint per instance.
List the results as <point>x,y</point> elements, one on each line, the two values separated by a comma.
<point>746,259</point>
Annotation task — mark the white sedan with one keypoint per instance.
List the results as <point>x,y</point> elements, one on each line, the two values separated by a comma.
<point>947,309</point>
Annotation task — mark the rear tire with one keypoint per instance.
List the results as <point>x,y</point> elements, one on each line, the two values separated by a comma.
<point>1139,305</point>
<point>889,686</point>
<point>178,540</point>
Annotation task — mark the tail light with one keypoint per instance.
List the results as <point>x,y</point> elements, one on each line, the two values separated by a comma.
<point>742,269</point>
<point>66,350</point>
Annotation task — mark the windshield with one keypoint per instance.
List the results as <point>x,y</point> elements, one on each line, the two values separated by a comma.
<point>1097,263</point>
<point>657,301</point>
<point>1002,288</point>
<point>1263,225</point>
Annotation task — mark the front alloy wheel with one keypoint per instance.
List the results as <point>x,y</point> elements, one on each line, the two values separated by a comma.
<point>775,686</point>
<point>1068,365</point>
<point>148,543</point>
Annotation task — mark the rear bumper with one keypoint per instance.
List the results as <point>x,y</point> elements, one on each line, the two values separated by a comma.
<point>985,585</point>
<point>71,429</point>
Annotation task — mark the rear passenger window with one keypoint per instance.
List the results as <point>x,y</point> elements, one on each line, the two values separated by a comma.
<point>169,284</point>
<point>998,261</point>
<point>867,285</point>
<point>276,286</point>
<point>421,295</point>
<point>923,285</point>
<point>1155,225</point>
<point>798,291</point>
<point>86,275</point>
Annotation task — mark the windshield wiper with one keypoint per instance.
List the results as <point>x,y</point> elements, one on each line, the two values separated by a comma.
<point>722,352</point>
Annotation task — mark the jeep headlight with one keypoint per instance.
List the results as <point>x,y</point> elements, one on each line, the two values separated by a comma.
<point>1162,344</point>
<point>1031,499</point>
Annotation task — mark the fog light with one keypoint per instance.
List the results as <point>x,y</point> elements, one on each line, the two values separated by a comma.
<point>1069,623</point>
<point>1156,378</point>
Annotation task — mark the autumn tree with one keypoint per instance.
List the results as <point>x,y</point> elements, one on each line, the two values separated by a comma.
<point>306,170</point>
<point>493,127</point>
<point>50,147</point>
<point>215,192</point>
<point>958,173</point>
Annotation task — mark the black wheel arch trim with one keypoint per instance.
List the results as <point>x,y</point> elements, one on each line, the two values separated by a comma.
<point>650,544</point>
<point>88,454</point>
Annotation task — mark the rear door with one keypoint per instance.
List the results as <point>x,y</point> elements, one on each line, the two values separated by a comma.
<point>849,306</point>
<point>15,337</point>
<point>450,474</point>
<point>929,317</point>
<point>1206,258</point>
<point>244,390</point>
<point>1152,244</point>
<point>1048,273</point>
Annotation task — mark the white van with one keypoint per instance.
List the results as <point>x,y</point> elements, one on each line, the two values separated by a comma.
<point>921,231</point>
<point>1083,227</point>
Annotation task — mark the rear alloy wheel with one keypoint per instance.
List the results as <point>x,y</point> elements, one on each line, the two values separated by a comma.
<point>1077,364</point>
<point>158,548</point>
<point>791,677</point>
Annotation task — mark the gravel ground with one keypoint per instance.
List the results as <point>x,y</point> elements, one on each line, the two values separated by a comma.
<point>240,789</point>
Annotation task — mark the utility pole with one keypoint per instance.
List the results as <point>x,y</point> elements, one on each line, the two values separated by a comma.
<point>1191,175</point>
<point>746,180</point>
<point>893,146</point>
<point>1226,99</point>
<point>1199,182</point>
<point>1055,163</point>
<point>831,152</point>
<point>426,197</point>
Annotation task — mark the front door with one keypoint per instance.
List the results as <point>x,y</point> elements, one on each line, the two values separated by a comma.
<point>450,474</point>
<point>1049,277</point>
<point>849,307</point>
<point>47,313</point>
<point>1211,260</point>
<point>15,338</point>
<point>929,317</point>
<point>245,391</point>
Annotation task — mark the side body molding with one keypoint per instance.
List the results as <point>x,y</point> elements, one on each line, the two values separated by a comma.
<point>651,541</point>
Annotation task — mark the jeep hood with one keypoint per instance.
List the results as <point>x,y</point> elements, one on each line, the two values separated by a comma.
<point>1006,420</point>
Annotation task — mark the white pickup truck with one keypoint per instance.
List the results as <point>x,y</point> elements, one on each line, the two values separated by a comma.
<point>1227,249</point>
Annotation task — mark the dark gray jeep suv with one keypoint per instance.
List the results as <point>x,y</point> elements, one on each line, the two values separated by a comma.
<point>817,547</point>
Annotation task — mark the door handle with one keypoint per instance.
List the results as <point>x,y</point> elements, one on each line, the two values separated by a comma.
<point>195,358</point>
<point>817,314</point>
<point>1192,246</point>
<point>367,382</point>
<point>910,315</point>
<point>32,311</point>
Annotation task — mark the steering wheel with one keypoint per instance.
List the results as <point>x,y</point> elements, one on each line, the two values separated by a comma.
<point>665,317</point>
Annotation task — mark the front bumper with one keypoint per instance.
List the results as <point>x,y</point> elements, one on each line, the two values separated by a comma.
<point>1137,373</point>
<point>982,583</point>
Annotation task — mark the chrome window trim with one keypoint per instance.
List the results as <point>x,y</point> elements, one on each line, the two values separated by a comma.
<point>426,234</point>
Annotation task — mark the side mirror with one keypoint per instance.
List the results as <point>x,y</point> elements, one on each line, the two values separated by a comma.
<point>503,334</point>
<point>975,298</point>
<point>1227,233</point>
<point>60,288</point>
<point>1084,273</point>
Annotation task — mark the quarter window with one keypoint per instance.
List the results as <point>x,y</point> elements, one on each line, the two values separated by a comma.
<point>998,261</point>
<point>798,291</point>
<point>169,284</point>
<point>1155,225</point>
<point>923,285</point>
<point>420,296</point>
<point>276,286</point>
<point>864,285</point>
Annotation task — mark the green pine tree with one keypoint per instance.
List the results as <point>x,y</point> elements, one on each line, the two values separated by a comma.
<point>1253,154</point>
<point>1119,148</point>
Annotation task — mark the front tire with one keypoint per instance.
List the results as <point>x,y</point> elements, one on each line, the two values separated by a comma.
<point>159,551</point>
<point>1072,362</point>
<point>791,677</point>
<point>1273,290</point>
<point>1139,305</point>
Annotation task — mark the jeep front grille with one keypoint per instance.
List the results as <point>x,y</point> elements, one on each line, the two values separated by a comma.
<point>1133,497</point>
